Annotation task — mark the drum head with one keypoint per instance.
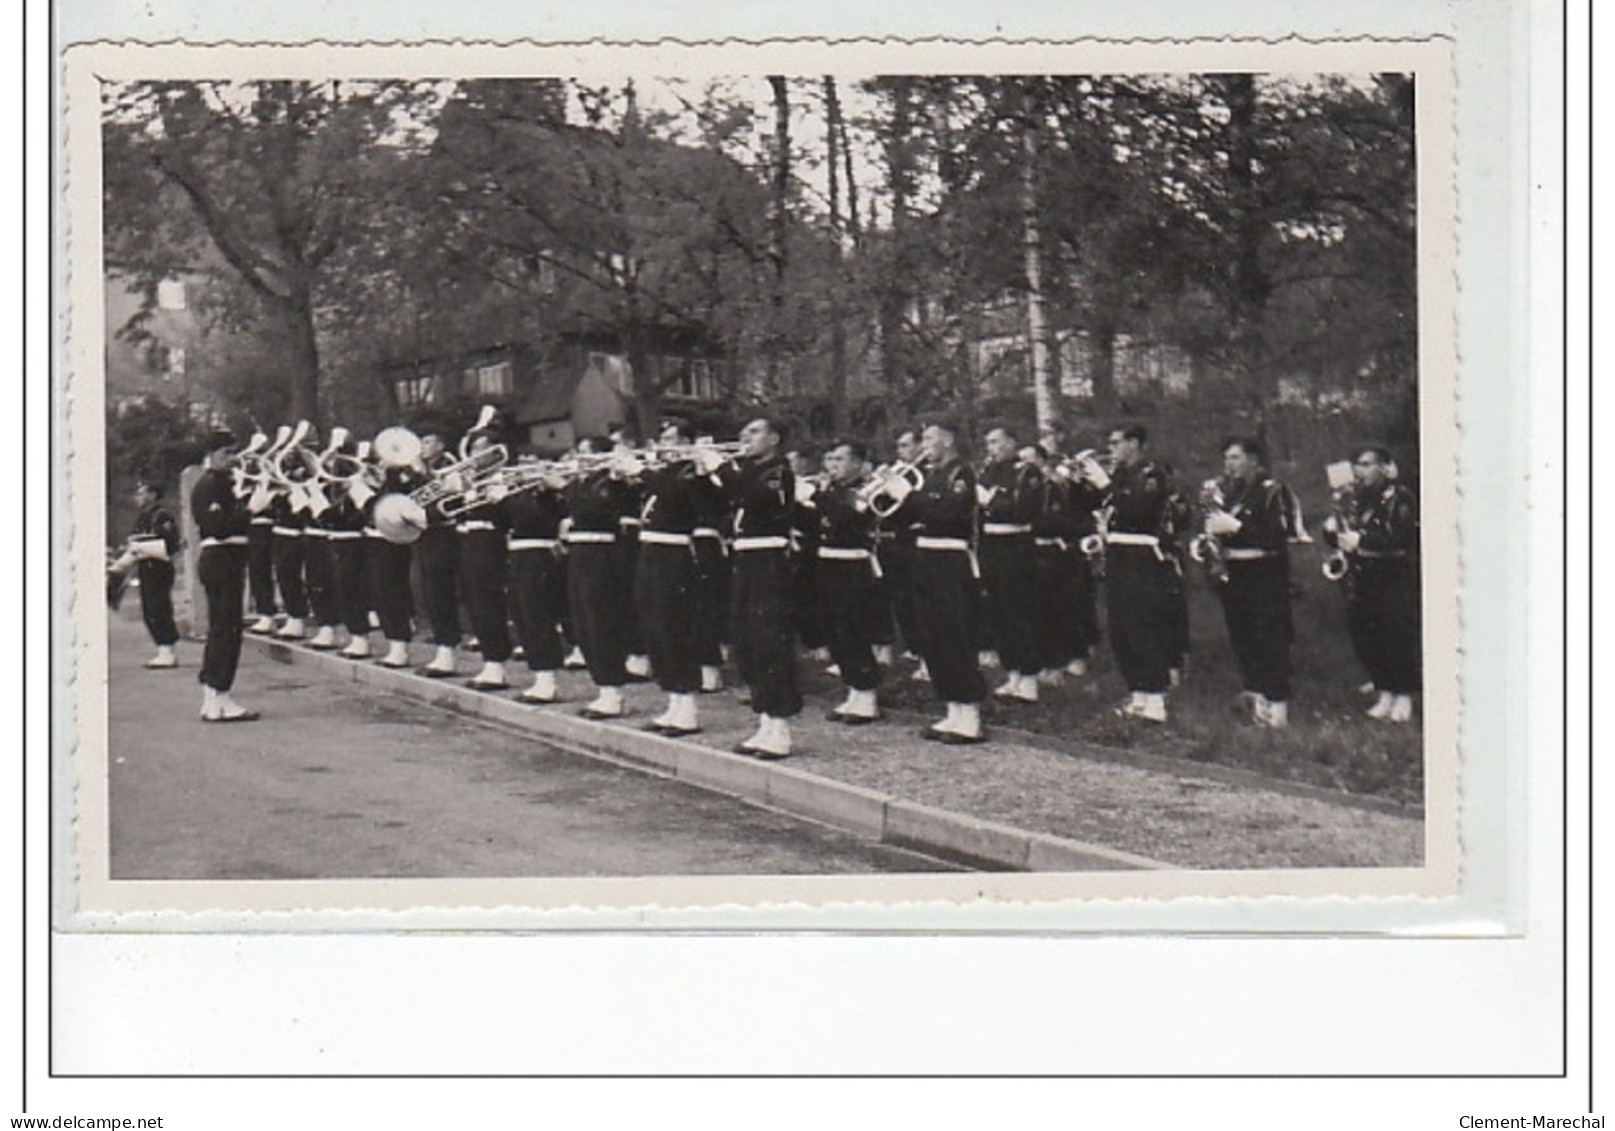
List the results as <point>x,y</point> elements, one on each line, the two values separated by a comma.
<point>396,447</point>
<point>399,518</point>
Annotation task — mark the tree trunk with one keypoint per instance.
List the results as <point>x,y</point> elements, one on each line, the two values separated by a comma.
<point>1250,285</point>
<point>1102,371</point>
<point>838,329</point>
<point>303,358</point>
<point>894,302</point>
<point>776,227</point>
<point>1043,392</point>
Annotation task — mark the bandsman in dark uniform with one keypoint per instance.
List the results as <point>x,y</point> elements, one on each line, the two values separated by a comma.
<point>625,442</point>
<point>1011,494</point>
<point>945,584</point>
<point>154,545</point>
<point>437,553</point>
<point>848,580</point>
<point>598,593</point>
<point>261,552</point>
<point>389,564</point>
<point>319,561</point>
<point>1378,531</point>
<point>537,584</point>
<point>805,612</point>
<point>288,522</point>
<point>896,536</point>
<point>221,566</point>
<point>1138,573</point>
<point>713,527</point>
<point>1252,529</point>
<point>484,578</point>
<point>344,523</point>
<point>762,491</point>
<point>664,583</point>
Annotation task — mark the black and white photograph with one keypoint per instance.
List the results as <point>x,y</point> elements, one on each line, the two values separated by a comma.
<point>678,475</point>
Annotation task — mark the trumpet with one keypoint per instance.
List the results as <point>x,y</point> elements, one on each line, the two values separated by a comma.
<point>888,485</point>
<point>1337,563</point>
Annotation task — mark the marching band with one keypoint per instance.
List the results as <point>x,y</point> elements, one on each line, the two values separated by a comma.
<point>663,560</point>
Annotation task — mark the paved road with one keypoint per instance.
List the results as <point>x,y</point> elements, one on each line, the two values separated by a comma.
<point>339,781</point>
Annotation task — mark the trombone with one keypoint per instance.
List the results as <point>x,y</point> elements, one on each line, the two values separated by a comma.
<point>401,518</point>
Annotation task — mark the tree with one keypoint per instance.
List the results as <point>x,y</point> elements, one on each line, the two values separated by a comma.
<point>277,177</point>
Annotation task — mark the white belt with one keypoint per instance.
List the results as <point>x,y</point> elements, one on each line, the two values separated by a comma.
<point>316,532</point>
<point>706,532</point>
<point>475,526</point>
<point>372,532</point>
<point>596,536</point>
<point>630,522</point>
<point>263,522</point>
<point>1123,538</point>
<point>1006,528</point>
<point>232,540</point>
<point>1382,553</point>
<point>926,542</point>
<point>1246,554</point>
<point>533,543</point>
<point>1058,543</point>
<point>843,554</point>
<point>344,535</point>
<point>663,538</point>
<point>762,542</point>
<point>288,532</point>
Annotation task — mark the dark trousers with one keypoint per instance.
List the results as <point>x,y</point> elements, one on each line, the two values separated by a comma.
<point>1383,615</point>
<point>484,575</point>
<point>157,602</point>
<point>627,570</point>
<point>710,599</point>
<point>664,594</point>
<point>1139,610</point>
<point>598,596</point>
<point>1178,631</point>
<point>1011,600</point>
<point>897,566</point>
<point>288,560</point>
<point>1256,607</point>
<point>944,588</point>
<point>1081,627</point>
<point>319,574</point>
<point>388,566</point>
<point>760,620</point>
<point>261,568</point>
<point>850,597</point>
<point>350,574</point>
<point>806,613</point>
<point>222,571</point>
<point>537,596</point>
<point>438,552</point>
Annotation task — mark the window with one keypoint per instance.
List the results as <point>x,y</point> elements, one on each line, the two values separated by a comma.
<point>496,380</point>
<point>413,391</point>
<point>171,294</point>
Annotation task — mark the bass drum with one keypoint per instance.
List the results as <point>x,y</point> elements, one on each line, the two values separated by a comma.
<point>399,518</point>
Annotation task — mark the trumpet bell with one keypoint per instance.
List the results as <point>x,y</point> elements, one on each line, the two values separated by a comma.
<point>396,447</point>
<point>399,518</point>
<point>1336,566</point>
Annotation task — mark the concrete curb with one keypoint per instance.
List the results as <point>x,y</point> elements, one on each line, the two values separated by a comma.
<point>863,812</point>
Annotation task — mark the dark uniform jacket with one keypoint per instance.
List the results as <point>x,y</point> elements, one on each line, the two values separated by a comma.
<point>1387,517</point>
<point>599,502</point>
<point>945,505</point>
<point>215,507</point>
<point>763,492</point>
<point>845,520</point>
<point>1139,499</point>
<point>670,499</point>
<point>534,514</point>
<point>1263,512</point>
<point>1018,497</point>
<point>154,522</point>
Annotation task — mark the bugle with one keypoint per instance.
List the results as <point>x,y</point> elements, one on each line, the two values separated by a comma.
<point>890,484</point>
